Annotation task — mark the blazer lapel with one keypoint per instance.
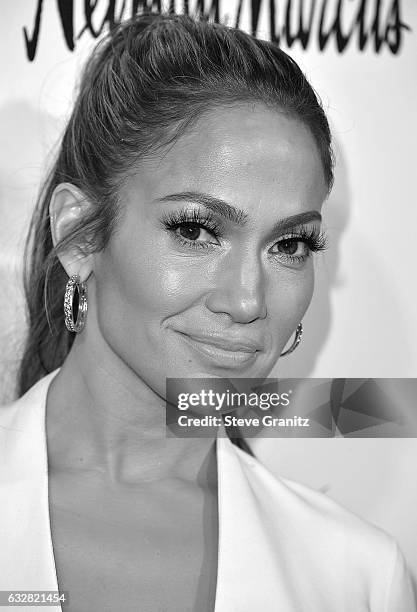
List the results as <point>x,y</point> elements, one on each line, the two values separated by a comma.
<point>251,575</point>
<point>26,553</point>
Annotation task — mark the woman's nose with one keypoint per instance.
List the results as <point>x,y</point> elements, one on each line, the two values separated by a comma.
<point>239,289</point>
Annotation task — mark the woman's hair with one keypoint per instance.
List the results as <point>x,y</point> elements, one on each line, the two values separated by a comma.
<point>149,80</point>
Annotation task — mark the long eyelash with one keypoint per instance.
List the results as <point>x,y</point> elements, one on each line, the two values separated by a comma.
<point>315,239</point>
<point>173,219</point>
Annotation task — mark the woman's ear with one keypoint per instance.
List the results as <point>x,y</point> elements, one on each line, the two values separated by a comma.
<point>67,207</point>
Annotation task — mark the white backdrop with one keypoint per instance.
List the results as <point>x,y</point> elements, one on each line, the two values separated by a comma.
<point>362,320</point>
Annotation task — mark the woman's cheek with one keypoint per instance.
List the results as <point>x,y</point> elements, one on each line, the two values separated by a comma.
<point>291,298</point>
<point>306,293</point>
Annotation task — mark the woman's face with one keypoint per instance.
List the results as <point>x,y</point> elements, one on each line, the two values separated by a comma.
<point>211,267</point>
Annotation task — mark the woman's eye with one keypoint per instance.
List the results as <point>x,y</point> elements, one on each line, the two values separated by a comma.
<point>292,247</point>
<point>193,231</point>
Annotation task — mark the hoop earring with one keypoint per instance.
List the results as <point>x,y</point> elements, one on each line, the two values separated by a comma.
<point>75,283</point>
<point>297,340</point>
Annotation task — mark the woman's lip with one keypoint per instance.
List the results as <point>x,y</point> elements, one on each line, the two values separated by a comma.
<point>220,355</point>
<point>230,344</point>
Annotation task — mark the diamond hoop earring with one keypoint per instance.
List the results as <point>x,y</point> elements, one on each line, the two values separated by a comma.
<point>74,283</point>
<point>297,340</point>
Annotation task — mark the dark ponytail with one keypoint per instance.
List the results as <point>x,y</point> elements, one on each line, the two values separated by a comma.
<point>144,84</point>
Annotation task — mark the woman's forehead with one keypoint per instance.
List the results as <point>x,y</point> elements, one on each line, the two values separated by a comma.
<point>242,154</point>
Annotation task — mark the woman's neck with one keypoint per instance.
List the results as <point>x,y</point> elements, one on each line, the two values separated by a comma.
<point>101,416</point>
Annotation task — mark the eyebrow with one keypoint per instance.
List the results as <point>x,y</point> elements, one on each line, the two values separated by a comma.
<point>237,215</point>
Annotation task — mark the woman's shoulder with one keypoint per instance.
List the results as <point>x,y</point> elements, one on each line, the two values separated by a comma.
<point>32,398</point>
<point>338,559</point>
<point>314,516</point>
<point>22,424</point>
<point>15,415</point>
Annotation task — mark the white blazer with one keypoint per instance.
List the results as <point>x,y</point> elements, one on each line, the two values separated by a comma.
<point>282,546</point>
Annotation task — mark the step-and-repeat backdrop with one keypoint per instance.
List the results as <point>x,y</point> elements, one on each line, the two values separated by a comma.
<point>361,57</point>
